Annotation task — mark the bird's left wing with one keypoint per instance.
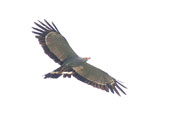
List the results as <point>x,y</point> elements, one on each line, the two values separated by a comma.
<point>97,78</point>
<point>52,42</point>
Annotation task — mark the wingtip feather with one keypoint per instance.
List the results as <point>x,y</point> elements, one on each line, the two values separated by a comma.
<point>40,32</point>
<point>120,89</point>
<point>121,84</point>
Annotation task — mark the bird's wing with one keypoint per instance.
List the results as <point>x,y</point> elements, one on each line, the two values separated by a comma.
<point>97,78</point>
<point>52,42</point>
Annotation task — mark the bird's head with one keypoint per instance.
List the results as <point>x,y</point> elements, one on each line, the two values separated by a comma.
<point>86,58</point>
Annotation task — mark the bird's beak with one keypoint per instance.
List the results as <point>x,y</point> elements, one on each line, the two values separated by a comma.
<point>86,58</point>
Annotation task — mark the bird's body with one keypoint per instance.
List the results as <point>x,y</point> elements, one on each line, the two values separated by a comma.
<point>69,64</point>
<point>57,48</point>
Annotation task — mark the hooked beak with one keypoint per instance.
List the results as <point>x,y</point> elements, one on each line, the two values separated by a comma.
<point>86,58</point>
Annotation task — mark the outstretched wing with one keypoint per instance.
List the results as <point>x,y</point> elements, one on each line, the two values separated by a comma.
<point>52,42</point>
<point>97,78</point>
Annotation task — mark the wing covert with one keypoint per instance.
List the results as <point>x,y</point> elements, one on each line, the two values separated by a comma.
<point>97,78</point>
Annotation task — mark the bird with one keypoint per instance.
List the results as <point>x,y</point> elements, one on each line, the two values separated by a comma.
<point>57,48</point>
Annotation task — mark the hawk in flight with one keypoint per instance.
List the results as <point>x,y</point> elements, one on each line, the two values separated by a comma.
<point>57,48</point>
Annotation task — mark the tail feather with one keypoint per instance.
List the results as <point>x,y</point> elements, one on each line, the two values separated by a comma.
<point>50,75</point>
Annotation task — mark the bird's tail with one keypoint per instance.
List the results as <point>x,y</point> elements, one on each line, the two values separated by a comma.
<point>53,74</point>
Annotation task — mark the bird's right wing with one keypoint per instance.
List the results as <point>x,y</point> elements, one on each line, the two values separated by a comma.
<point>53,43</point>
<point>97,78</point>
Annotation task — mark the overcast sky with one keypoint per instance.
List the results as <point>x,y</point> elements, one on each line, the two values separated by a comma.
<point>129,39</point>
